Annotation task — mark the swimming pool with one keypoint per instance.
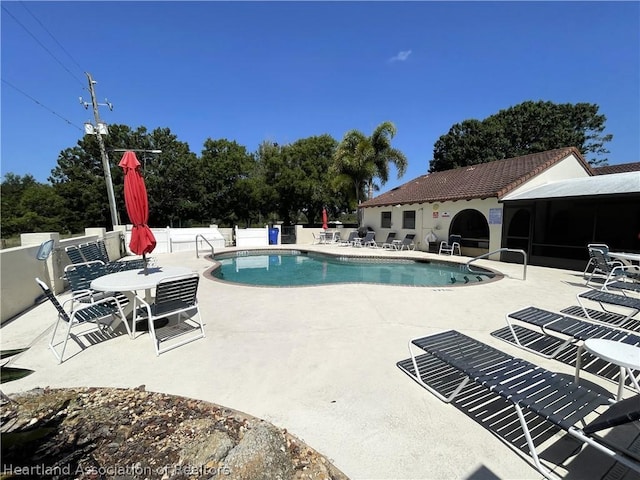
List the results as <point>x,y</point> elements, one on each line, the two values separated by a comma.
<point>289,268</point>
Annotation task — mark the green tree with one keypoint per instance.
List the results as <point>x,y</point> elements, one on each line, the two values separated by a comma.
<point>310,159</point>
<point>529,127</point>
<point>228,194</point>
<point>359,159</point>
<point>29,206</point>
<point>174,186</point>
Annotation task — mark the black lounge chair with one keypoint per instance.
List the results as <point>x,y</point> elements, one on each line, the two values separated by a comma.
<point>604,297</point>
<point>574,330</point>
<point>530,389</point>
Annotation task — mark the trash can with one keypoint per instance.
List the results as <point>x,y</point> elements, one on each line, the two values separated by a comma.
<point>273,236</point>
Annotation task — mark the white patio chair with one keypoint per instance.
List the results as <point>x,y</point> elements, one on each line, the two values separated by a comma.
<point>176,299</point>
<point>105,314</point>
<point>449,246</point>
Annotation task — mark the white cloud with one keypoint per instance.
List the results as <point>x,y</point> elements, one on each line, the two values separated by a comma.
<point>401,56</point>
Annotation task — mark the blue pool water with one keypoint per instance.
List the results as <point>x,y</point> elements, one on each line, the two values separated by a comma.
<point>296,268</point>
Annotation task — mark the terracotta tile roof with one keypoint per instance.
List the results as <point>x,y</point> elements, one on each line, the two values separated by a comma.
<point>622,168</point>
<point>485,180</point>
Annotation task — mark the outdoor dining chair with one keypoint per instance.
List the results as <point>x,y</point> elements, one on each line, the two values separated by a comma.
<point>91,251</point>
<point>79,276</point>
<point>176,299</point>
<point>449,246</point>
<point>104,314</point>
<point>74,254</point>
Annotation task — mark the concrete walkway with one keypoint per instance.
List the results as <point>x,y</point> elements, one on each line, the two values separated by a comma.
<point>321,362</point>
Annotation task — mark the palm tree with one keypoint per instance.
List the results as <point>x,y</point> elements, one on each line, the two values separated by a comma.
<point>359,159</point>
<point>384,154</point>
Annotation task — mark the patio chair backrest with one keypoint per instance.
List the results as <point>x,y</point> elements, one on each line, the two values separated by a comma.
<point>455,239</point>
<point>408,238</point>
<point>74,254</point>
<point>602,260</point>
<point>391,237</point>
<point>49,294</point>
<point>91,251</point>
<point>176,294</point>
<point>369,236</point>
<point>81,275</point>
<point>103,251</point>
<point>600,246</point>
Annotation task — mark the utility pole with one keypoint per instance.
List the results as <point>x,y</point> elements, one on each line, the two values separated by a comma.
<point>101,129</point>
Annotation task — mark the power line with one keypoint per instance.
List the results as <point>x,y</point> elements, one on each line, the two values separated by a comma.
<point>42,45</point>
<point>24,5</point>
<point>42,105</point>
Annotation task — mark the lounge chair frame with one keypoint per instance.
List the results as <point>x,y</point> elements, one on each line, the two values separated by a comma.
<point>407,242</point>
<point>574,330</point>
<point>528,387</point>
<point>349,241</point>
<point>369,240</point>
<point>604,298</point>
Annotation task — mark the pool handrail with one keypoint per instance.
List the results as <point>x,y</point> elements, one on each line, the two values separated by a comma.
<point>484,255</point>
<point>208,243</point>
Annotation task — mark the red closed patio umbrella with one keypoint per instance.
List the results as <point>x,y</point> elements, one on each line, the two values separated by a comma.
<point>324,219</point>
<point>135,199</point>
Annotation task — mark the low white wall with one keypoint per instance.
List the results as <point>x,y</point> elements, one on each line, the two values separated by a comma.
<point>252,237</point>
<point>181,239</point>
<point>19,267</point>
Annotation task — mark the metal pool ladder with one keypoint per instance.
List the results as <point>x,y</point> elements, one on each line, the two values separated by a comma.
<point>484,255</point>
<point>208,243</point>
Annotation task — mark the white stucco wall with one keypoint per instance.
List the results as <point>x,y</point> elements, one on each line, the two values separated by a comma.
<point>434,217</point>
<point>437,216</point>
<point>565,169</point>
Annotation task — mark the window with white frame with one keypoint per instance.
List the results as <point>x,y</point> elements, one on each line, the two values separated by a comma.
<point>409,220</point>
<point>385,220</point>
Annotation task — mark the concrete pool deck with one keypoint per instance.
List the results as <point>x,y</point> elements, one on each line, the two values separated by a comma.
<point>321,362</point>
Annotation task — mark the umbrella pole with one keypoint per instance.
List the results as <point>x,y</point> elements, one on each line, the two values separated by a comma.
<point>144,263</point>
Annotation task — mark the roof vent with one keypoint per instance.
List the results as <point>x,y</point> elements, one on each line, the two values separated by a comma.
<point>470,168</point>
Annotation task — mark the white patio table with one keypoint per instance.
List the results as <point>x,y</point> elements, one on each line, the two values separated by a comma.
<point>624,355</point>
<point>130,281</point>
<point>628,258</point>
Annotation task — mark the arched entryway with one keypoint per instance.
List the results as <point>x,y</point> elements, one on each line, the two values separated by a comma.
<point>472,225</point>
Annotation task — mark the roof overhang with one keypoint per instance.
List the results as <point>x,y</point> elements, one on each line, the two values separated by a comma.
<point>600,185</point>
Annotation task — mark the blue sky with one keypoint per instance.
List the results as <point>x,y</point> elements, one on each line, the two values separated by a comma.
<point>282,71</point>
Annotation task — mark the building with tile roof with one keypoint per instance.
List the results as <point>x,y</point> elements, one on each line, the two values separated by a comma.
<point>487,204</point>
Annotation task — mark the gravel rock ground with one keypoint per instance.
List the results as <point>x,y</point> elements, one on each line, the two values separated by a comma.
<point>95,433</point>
